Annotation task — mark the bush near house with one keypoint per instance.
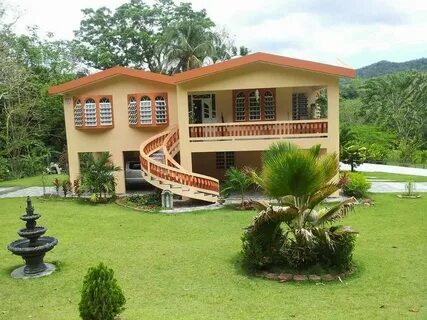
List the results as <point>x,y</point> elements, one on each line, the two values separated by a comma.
<point>239,181</point>
<point>297,235</point>
<point>97,175</point>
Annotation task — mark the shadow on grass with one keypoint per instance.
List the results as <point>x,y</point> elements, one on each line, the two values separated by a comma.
<point>8,270</point>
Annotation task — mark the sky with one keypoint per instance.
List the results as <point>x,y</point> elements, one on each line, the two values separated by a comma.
<point>353,33</point>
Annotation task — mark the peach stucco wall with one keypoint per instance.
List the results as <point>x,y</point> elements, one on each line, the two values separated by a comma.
<point>121,137</point>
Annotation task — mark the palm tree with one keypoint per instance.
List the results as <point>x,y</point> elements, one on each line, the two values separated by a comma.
<point>97,173</point>
<point>189,45</point>
<point>300,180</point>
<point>237,180</point>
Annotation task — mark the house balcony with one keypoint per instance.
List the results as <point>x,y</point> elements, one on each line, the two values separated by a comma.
<point>260,130</point>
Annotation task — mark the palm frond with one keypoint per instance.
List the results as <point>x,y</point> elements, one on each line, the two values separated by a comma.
<point>337,212</point>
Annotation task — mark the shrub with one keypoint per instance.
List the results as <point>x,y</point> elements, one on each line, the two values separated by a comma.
<point>102,298</point>
<point>77,188</point>
<point>261,247</point>
<point>4,169</point>
<point>57,184</point>
<point>152,199</point>
<point>357,185</point>
<point>339,255</point>
<point>66,187</point>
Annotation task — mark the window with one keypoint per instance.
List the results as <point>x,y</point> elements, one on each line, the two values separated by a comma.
<point>299,106</point>
<point>224,160</point>
<point>145,110</point>
<point>161,116</point>
<point>132,112</point>
<point>254,106</point>
<point>105,112</point>
<point>90,113</point>
<point>94,112</point>
<point>269,106</point>
<point>240,107</point>
<point>78,116</point>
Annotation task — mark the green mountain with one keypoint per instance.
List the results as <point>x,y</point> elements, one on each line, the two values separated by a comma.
<point>384,67</point>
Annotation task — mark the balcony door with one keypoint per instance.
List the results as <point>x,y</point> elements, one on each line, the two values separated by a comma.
<point>203,109</point>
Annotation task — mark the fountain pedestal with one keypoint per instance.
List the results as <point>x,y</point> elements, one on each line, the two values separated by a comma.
<point>33,247</point>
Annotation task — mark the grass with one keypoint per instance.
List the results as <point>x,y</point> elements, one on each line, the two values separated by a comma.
<point>35,181</point>
<point>186,266</point>
<point>394,177</point>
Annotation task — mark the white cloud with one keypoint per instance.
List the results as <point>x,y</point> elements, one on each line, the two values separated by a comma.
<point>357,32</point>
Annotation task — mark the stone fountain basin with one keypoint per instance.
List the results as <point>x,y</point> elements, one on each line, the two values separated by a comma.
<point>22,248</point>
<point>32,233</point>
<point>27,217</point>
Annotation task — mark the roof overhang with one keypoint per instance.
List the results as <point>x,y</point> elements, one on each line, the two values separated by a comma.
<point>264,58</point>
<point>205,71</point>
<point>108,74</point>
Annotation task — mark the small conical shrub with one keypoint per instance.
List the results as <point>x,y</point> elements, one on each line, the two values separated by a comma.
<point>102,298</point>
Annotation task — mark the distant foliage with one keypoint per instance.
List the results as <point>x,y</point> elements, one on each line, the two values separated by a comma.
<point>357,185</point>
<point>102,298</point>
<point>386,67</point>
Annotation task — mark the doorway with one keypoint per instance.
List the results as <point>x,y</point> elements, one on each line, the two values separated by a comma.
<point>203,109</point>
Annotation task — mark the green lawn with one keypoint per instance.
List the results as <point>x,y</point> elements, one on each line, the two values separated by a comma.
<point>35,181</point>
<point>394,177</point>
<point>186,266</point>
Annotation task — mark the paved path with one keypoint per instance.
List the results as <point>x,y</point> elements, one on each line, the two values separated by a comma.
<point>32,192</point>
<point>370,167</point>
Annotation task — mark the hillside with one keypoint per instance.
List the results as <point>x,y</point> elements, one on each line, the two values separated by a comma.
<point>384,67</point>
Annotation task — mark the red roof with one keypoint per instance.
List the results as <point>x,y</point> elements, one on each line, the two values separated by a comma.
<point>107,74</point>
<point>206,71</point>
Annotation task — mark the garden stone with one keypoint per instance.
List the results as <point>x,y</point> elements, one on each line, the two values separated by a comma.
<point>284,277</point>
<point>300,277</point>
<point>314,277</point>
<point>270,275</point>
<point>328,277</point>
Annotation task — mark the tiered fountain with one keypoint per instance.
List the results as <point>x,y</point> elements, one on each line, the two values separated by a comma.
<point>33,248</point>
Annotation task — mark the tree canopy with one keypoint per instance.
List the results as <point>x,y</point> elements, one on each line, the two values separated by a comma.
<point>164,37</point>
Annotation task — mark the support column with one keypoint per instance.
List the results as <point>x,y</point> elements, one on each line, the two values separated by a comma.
<point>73,165</point>
<point>117,159</point>
<point>333,117</point>
<point>333,122</point>
<point>184,135</point>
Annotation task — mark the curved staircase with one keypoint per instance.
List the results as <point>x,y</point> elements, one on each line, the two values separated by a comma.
<point>161,170</point>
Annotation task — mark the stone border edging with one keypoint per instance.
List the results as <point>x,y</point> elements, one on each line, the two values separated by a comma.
<point>290,277</point>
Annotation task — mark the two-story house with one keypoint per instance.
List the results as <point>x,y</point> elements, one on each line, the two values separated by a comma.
<point>187,129</point>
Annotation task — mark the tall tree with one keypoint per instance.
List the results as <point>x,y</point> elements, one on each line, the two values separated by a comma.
<point>160,37</point>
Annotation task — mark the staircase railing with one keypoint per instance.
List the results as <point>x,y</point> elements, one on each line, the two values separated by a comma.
<point>171,171</point>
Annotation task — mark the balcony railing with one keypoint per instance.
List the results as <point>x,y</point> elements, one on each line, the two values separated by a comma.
<point>258,130</point>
